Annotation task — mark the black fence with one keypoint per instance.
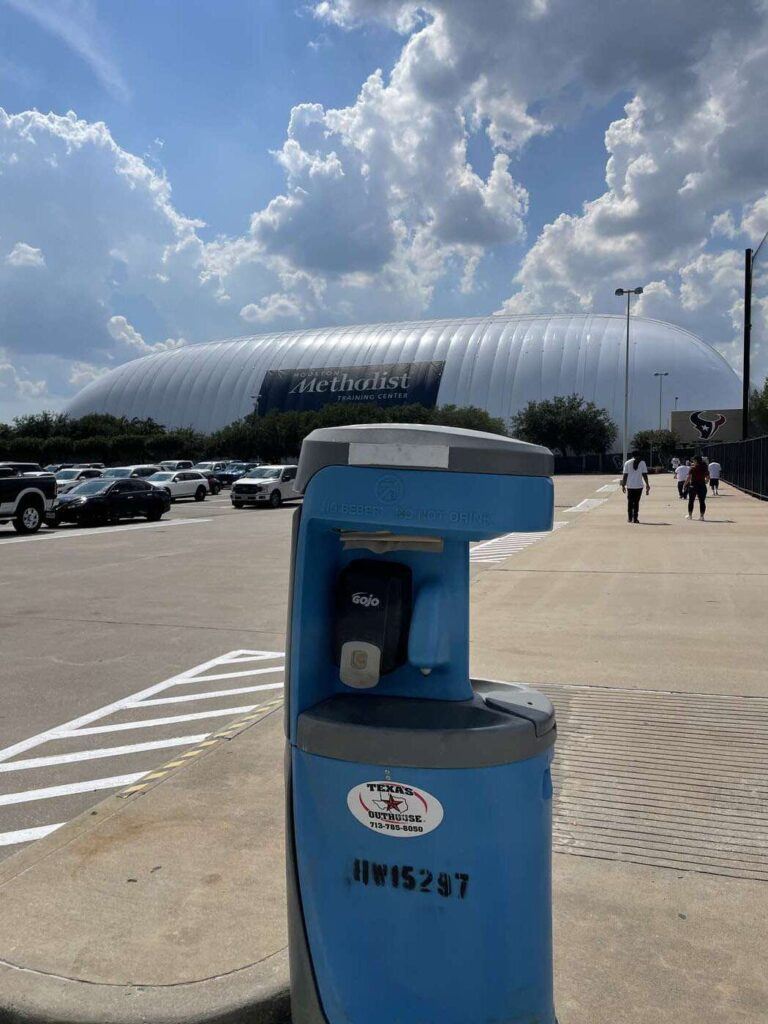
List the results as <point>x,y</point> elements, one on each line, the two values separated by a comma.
<point>610,463</point>
<point>743,464</point>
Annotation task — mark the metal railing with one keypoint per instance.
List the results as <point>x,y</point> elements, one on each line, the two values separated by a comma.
<point>743,464</point>
<point>608,463</point>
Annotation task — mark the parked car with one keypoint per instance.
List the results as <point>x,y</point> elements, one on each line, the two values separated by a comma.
<point>56,466</point>
<point>27,494</point>
<point>214,484</point>
<point>66,479</point>
<point>122,472</point>
<point>174,464</point>
<point>187,484</point>
<point>234,470</point>
<point>108,500</point>
<point>265,485</point>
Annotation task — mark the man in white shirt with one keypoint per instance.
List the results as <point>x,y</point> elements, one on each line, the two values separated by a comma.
<point>681,475</point>
<point>714,476</point>
<point>635,472</point>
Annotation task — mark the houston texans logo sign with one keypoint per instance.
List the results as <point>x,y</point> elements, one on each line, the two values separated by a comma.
<point>707,428</point>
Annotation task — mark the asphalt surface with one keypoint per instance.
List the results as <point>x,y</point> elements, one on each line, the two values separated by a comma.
<point>125,645</point>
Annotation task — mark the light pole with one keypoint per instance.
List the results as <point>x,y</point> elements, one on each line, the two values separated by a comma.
<point>628,292</point>
<point>676,400</point>
<point>661,374</point>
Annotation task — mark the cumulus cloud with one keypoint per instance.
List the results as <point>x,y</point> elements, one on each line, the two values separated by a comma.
<point>277,306</point>
<point>15,383</point>
<point>81,374</point>
<point>126,334</point>
<point>23,255</point>
<point>382,210</point>
<point>685,175</point>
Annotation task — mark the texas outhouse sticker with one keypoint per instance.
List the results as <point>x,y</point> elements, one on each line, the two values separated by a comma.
<point>395,809</point>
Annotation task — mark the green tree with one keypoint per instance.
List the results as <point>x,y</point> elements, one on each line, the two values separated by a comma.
<point>41,424</point>
<point>758,410</point>
<point>661,442</point>
<point>566,423</point>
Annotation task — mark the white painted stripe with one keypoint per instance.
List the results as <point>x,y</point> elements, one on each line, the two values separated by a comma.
<point>207,696</point>
<point>76,723</point>
<point>99,531</point>
<point>231,675</point>
<point>50,792</point>
<point>261,656</point>
<point>587,505</point>
<point>499,549</point>
<point>152,722</point>
<point>607,488</point>
<point>27,835</point>
<point>94,755</point>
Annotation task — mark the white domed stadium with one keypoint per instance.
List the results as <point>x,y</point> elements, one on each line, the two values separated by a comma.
<point>498,363</point>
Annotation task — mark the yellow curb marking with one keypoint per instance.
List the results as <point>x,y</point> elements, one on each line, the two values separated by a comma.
<point>234,727</point>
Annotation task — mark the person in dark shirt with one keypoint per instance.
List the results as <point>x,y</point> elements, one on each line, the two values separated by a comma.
<point>697,486</point>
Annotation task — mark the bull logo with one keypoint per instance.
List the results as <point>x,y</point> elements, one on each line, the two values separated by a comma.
<point>705,428</point>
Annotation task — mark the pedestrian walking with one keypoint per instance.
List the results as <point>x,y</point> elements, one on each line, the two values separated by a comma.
<point>714,477</point>
<point>635,473</point>
<point>675,464</point>
<point>681,475</point>
<point>698,476</point>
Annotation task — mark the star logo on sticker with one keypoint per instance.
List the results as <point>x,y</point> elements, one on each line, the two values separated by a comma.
<point>392,803</point>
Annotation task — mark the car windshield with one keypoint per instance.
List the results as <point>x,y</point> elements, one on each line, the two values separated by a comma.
<point>234,467</point>
<point>67,474</point>
<point>92,487</point>
<point>205,466</point>
<point>160,476</point>
<point>119,472</point>
<point>263,472</point>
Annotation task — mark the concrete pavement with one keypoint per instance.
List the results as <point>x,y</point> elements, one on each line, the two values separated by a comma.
<point>615,622</point>
<point>668,604</point>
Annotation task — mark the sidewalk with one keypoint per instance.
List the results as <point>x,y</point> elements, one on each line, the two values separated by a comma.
<point>168,904</point>
<point>670,604</point>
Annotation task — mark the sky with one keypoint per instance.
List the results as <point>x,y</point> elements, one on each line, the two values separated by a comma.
<point>184,171</point>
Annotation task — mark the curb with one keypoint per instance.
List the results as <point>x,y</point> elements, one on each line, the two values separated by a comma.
<point>256,993</point>
<point>244,997</point>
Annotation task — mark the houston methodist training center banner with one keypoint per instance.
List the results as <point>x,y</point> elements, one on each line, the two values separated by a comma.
<point>385,384</point>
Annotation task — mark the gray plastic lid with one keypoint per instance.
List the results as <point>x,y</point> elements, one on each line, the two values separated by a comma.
<point>499,725</point>
<point>409,446</point>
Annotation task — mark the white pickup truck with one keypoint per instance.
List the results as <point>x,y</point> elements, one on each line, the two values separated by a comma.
<point>26,495</point>
<point>265,485</point>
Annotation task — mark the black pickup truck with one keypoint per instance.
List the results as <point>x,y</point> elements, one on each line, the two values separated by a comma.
<point>26,495</point>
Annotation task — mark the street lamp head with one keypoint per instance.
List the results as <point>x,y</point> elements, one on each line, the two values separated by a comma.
<point>619,291</point>
<point>638,291</point>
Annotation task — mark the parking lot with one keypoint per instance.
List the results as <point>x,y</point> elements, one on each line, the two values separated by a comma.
<point>124,646</point>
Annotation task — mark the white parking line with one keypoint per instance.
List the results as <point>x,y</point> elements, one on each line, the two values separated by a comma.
<point>108,709</point>
<point>235,675</point>
<point>99,531</point>
<point>491,552</point>
<point>607,488</point>
<point>157,701</point>
<point>151,723</point>
<point>94,755</point>
<point>49,792</point>
<point>97,723</point>
<point>27,835</point>
<point>587,505</point>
